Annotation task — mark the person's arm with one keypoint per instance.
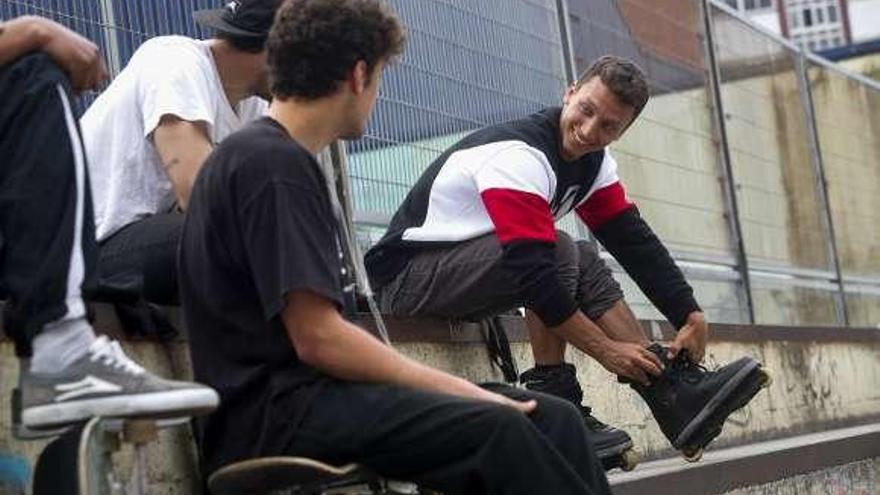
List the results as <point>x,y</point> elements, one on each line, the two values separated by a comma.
<point>616,223</point>
<point>183,147</point>
<point>639,251</point>
<point>324,339</point>
<point>79,57</point>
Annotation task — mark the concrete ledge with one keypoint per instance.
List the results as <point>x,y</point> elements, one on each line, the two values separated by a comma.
<point>439,330</point>
<point>725,470</point>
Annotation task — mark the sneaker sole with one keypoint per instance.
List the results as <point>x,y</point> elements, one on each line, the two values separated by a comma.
<point>167,404</point>
<point>714,403</point>
<point>715,424</point>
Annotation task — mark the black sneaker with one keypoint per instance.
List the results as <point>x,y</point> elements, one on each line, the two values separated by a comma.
<point>613,446</point>
<point>691,403</point>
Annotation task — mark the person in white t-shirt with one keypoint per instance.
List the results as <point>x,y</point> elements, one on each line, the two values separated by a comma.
<point>147,135</point>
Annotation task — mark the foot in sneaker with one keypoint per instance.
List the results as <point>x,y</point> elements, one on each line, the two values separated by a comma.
<point>106,382</point>
<point>561,381</point>
<point>691,403</point>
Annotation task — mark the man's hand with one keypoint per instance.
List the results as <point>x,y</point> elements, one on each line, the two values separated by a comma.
<point>79,57</point>
<point>693,336</point>
<point>630,360</point>
<point>526,407</point>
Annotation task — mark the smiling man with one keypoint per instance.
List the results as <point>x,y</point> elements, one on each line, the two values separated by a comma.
<point>476,236</point>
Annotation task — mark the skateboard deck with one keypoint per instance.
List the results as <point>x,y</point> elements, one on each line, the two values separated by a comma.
<point>100,439</point>
<point>300,475</point>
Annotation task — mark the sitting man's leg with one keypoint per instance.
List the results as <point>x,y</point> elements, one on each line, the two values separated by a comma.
<point>467,281</point>
<point>690,412</point>
<point>452,444</point>
<point>601,300</point>
<point>140,261</point>
<point>48,254</point>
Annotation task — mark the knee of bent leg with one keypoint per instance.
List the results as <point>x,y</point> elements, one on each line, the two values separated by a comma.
<point>597,290</point>
<point>567,261</point>
<point>38,72</point>
<point>507,418</point>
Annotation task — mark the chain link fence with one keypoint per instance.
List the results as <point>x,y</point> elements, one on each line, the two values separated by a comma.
<point>756,163</point>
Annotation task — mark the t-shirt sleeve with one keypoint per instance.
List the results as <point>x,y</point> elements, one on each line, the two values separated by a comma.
<point>290,243</point>
<point>181,88</point>
<point>606,199</point>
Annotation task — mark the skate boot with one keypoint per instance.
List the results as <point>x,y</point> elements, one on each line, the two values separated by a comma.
<point>691,403</point>
<point>613,446</point>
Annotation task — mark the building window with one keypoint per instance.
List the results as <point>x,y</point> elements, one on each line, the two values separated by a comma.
<point>815,23</point>
<point>832,13</point>
<point>750,4</point>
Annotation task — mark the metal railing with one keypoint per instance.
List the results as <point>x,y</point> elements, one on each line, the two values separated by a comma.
<point>755,162</point>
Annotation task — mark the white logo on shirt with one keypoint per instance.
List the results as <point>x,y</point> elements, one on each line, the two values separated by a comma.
<point>233,6</point>
<point>87,386</point>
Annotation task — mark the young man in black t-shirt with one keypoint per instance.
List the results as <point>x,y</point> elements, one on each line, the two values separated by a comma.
<point>260,278</point>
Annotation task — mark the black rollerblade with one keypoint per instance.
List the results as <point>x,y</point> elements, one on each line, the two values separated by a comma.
<point>691,403</point>
<point>613,446</point>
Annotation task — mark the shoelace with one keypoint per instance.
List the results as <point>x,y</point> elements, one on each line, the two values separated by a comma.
<point>687,367</point>
<point>111,354</point>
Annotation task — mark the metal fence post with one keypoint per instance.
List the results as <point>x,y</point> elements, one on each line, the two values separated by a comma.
<point>571,74</point>
<point>108,23</point>
<point>724,157</point>
<point>821,182</point>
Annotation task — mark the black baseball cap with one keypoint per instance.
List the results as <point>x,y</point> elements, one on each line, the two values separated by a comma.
<point>240,17</point>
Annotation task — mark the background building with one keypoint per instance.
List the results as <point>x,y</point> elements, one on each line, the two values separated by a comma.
<point>817,25</point>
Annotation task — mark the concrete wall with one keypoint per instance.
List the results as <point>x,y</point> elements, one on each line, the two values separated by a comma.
<point>849,130</point>
<point>668,163</point>
<point>817,385</point>
<point>857,478</point>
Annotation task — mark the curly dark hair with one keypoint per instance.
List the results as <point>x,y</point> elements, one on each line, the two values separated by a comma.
<point>315,43</point>
<point>623,77</point>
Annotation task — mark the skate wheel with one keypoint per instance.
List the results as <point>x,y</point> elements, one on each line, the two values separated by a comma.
<point>629,459</point>
<point>766,378</point>
<point>692,455</point>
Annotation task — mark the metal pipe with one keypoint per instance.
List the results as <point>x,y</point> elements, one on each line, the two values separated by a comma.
<point>821,183</point>
<point>724,156</point>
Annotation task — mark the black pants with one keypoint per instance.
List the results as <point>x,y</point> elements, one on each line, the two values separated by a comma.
<point>47,239</point>
<point>139,263</point>
<point>450,444</point>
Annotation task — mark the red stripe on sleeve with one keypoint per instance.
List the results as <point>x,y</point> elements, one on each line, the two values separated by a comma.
<point>603,205</point>
<point>519,215</point>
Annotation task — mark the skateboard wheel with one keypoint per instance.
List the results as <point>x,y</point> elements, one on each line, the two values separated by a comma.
<point>629,459</point>
<point>692,455</point>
